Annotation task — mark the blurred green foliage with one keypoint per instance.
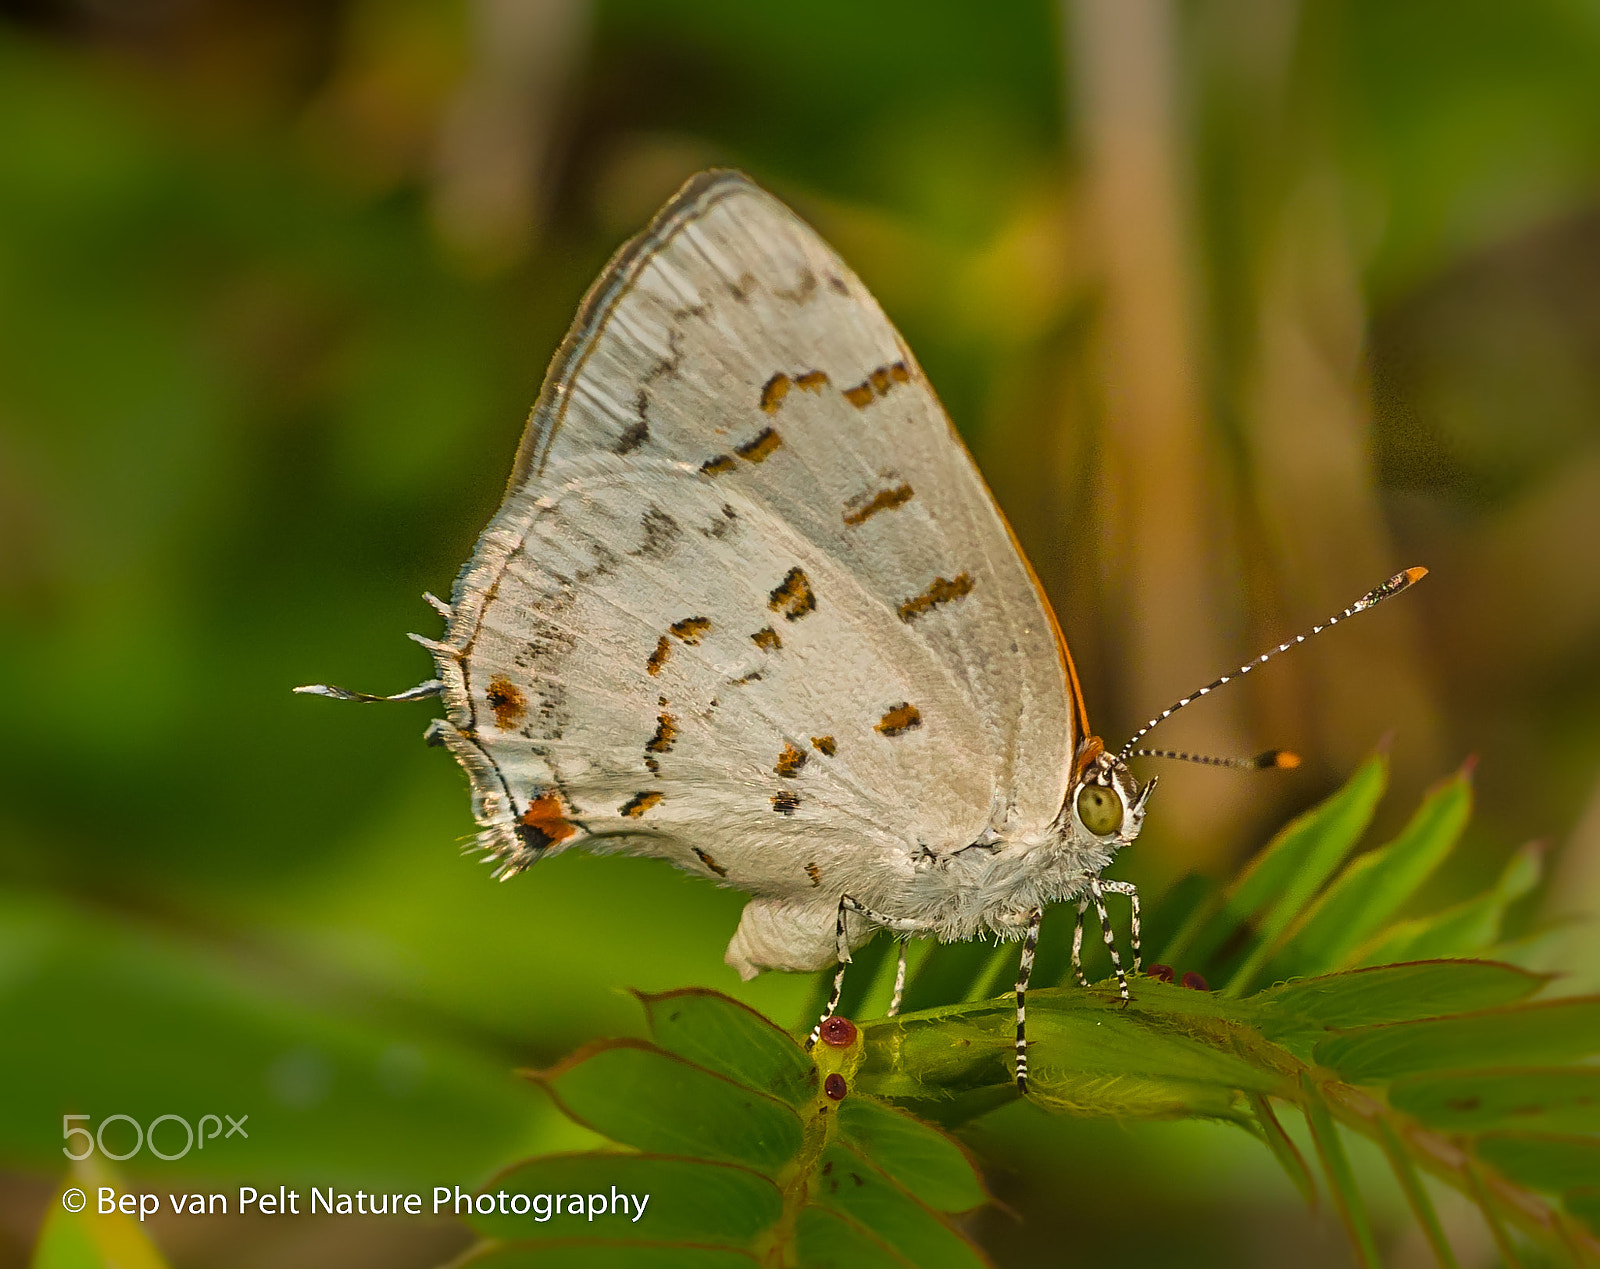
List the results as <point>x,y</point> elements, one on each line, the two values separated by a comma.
<point>268,327</point>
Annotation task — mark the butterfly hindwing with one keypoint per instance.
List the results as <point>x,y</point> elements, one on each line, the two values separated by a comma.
<point>748,604</point>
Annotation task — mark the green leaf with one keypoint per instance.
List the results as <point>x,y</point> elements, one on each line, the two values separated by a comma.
<point>1405,1172</point>
<point>923,1159</point>
<point>1543,1161</point>
<point>333,1097</point>
<point>572,1255</point>
<point>1585,1205</point>
<point>948,974</point>
<point>686,1200</point>
<point>731,1039</point>
<point>1372,887</point>
<point>1301,858</point>
<point>1283,1148</point>
<point>88,1239</point>
<point>634,1093</point>
<point>1534,1098</point>
<point>1463,930</point>
<point>1300,1013</point>
<point>1287,871</point>
<point>849,1185</point>
<point>1527,1034</point>
<point>831,1240</point>
<point>1336,1168</point>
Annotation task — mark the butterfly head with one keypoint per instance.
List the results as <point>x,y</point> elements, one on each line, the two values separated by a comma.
<point>1106,803</point>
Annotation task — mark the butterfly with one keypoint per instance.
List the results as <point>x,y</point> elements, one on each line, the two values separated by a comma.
<point>749,607</point>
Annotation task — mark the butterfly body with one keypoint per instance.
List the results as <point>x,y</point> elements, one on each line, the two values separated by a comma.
<point>748,607</point>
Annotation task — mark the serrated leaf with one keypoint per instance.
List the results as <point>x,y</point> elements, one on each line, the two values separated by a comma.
<point>635,1093</point>
<point>831,1240</point>
<point>848,1184</point>
<point>1304,857</point>
<point>1463,930</point>
<point>1543,1161</point>
<point>1283,1148</point>
<point>928,1163</point>
<point>572,1255</point>
<point>1528,1034</point>
<point>1562,1100</point>
<point>1088,1053</point>
<point>1373,886</point>
<point>1284,875</point>
<point>1405,1172</point>
<point>1336,1169</point>
<point>731,1039</point>
<point>1298,1014</point>
<point>686,1200</point>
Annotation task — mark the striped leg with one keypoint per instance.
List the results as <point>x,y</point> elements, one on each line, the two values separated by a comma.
<point>1132,891</point>
<point>1077,944</point>
<point>1097,895</point>
<point>1030,943</point>
<point>899,982</point>
<point>842,943</point>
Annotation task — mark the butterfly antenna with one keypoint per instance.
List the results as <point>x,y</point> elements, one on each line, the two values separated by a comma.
<point>1283,759</point>
<point>1396,584</point>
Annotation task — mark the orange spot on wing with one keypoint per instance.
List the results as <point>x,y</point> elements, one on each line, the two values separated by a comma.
<point>814,873</point>
<point>883,500</point>
<point>940,591</point>
<point>666,734</point>
<point>879,379</point>
<point>760,447</point>
<point>638,804</point>
<point>505,698</point>
<point>658,658</point>
<point>812,381</point>
<point>793,596</point>
<point>711,863</point>
<point>547,817</point>
<point>899,719</point>
<point>790,761</point>
<point>717,466</point>
<point>767,639</point>
<point>827,746</point>
<point>690,629</point>
<point>773,393</point>
<point>859,396</point>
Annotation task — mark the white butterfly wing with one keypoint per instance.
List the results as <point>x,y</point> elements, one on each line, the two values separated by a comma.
<point>748,604</point>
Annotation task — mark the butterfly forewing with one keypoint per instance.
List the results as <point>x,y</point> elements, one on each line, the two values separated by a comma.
<point>748,604</point>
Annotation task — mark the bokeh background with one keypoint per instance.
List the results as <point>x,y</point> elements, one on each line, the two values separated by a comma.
<point>1242,305</point>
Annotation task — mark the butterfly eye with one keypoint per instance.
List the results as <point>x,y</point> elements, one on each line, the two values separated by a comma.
<point>1100,809</point>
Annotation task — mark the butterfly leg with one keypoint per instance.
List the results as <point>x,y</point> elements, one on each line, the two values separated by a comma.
<point>1097,896</point>
<point>1132,891</point>
<point>1030,944</point>
<point>899,982</point>
<point>842,935</point>
<point>1077,944</point>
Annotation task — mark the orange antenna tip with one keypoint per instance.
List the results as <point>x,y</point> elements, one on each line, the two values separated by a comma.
<point>1415,573</point>
<point>1285,759</point>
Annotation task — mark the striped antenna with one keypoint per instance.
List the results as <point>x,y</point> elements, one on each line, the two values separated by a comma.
<point>1396,584</point>
<point>1283,759</point>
